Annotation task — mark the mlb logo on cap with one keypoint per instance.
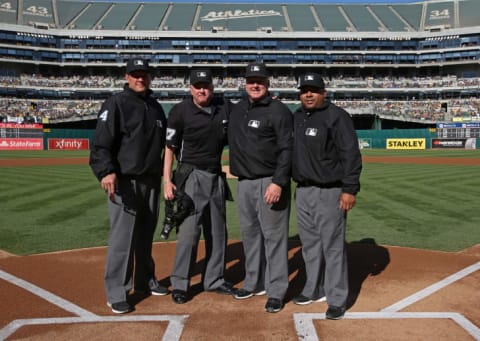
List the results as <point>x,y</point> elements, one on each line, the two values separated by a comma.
<point>256,70</point>
<point>200,76</point>
<point>137,64</point>
<point>311,79</point>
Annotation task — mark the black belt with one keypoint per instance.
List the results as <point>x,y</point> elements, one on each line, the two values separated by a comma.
<point>307,183</point>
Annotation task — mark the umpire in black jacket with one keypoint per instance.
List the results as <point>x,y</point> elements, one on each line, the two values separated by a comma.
<point>260,139</point>
<point>126,157</point>
<point>196,136</point>
<point>326,165</point>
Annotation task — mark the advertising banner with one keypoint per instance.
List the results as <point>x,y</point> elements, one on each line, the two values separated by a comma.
<point>418,143</point>
<point>21,126</point>
<point>364,143</point>
<point>68,144</point>
<point>21,144</point>
<point>454,143</point>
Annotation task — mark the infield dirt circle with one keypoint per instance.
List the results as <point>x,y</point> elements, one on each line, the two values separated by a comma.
<point>395,294</point>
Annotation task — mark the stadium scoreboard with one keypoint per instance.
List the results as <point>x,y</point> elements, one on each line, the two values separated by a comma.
<point>458,130</point>
<point>18,136</point>
<point>16,130</point>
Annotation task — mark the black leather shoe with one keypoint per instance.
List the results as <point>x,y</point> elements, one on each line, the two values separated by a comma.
<point>335,313</point>
<point>179,296</point>
<point>274,305</point>
<point>225,289</point>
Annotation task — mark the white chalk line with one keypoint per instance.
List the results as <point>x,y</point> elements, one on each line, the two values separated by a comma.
<point>306,330</point>
<point>173,331</point>
<point>303,322</point>
<point>46,295</point>
<point>432,288</point>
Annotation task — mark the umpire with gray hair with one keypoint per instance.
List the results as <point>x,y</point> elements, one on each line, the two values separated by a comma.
<point>326,166</point>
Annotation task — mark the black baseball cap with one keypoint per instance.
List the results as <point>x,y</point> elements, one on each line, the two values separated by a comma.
<point>200,76</point>
<point>137,64</point>
<point>256,70</point>
<point>311,79</point>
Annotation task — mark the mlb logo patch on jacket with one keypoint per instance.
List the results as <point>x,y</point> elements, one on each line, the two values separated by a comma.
<point>254,123</point>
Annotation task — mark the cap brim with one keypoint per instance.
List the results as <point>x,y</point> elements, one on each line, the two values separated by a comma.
<point>137,70</point>
<point>256,75</point>
<point>311,86</point>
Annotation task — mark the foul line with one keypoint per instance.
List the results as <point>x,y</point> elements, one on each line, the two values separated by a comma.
<point>306,330</point>
<point>46,295</point>
<point>431,289</point>
<point>173,331</point>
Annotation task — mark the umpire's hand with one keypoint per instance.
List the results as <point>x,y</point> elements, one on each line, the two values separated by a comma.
<point>168,188</point>
<point>272,194</point>
<point>109,184</point>
<point>347,201</point>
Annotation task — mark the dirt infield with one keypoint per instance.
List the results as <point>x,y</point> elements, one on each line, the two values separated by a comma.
<point>60,296</point>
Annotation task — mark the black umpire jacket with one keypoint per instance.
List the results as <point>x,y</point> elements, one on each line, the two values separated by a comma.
<point>130,136</point>
<point>325,150</point>
<point>260,139</point>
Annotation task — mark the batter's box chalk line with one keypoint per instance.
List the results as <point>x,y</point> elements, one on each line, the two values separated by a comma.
<point>173,331</point>
<point>303,322</point>
<point>306,330</point>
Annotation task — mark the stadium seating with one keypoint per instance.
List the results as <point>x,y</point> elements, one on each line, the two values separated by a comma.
<point>408,62</point>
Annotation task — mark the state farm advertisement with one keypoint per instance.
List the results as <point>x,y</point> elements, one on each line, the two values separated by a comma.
<point>21,144</point>
<point>68,144</point>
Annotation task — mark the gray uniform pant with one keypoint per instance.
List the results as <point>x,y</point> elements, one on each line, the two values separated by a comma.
<point>208,194</point>
<point>321,226</point>
<point>133,218</point>
<point>264,230</point>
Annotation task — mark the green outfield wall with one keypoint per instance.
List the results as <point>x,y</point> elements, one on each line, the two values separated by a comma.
<point>367,138</point>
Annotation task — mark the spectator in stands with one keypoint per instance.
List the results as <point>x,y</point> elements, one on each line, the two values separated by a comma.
<point>126,157</point>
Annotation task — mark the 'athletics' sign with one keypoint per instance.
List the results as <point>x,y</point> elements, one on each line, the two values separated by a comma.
<point>239,14</point>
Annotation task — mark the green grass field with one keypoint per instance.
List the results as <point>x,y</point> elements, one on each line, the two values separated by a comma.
<point>424,206</point>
